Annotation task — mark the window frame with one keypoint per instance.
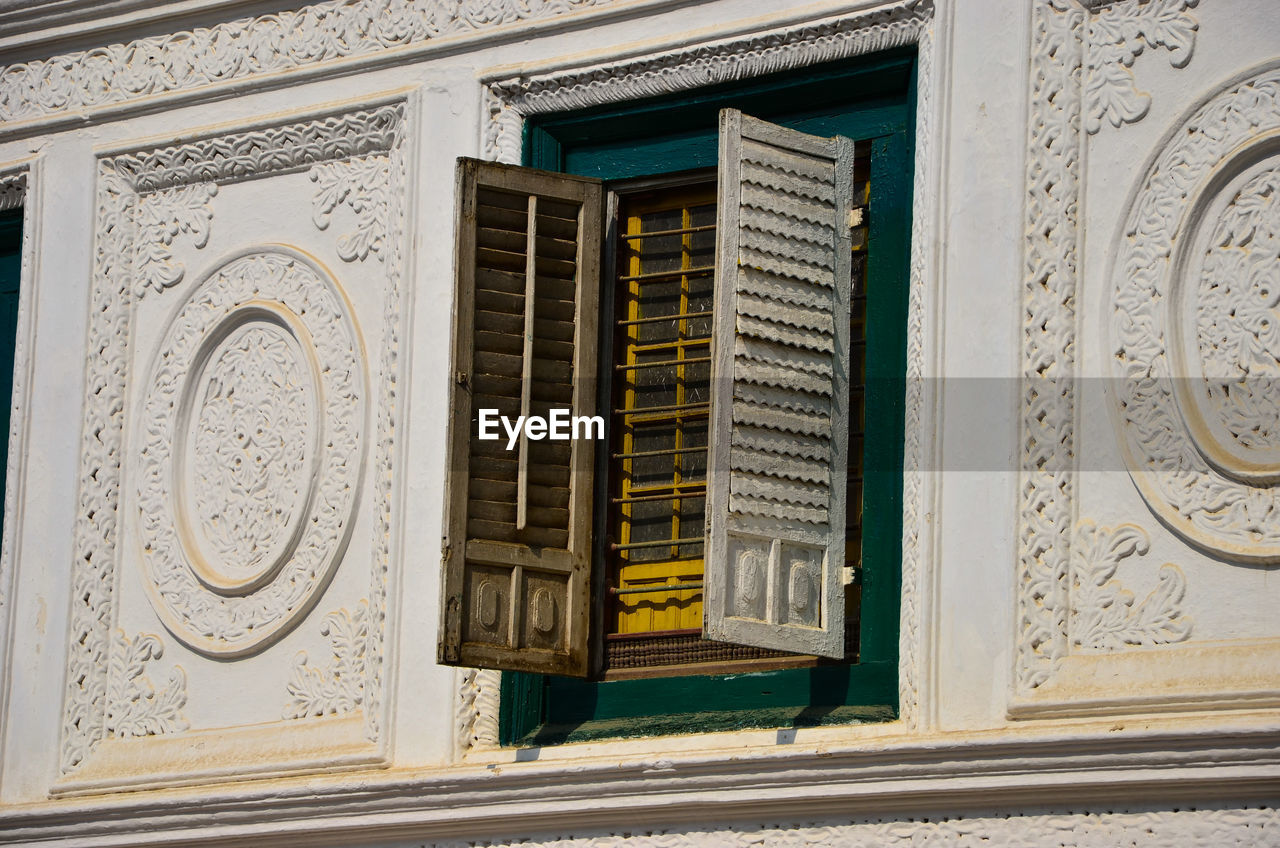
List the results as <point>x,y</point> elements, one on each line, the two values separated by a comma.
<point>617,143</point>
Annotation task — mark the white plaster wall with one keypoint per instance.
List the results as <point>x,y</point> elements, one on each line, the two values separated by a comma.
<point>1047,778</point>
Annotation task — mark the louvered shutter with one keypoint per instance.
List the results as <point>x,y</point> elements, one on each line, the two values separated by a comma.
<point>517,545</point>
<point>779,443</point>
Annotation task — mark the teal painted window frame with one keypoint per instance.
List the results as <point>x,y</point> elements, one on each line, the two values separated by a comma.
<point>871,99</point>
<point>10,285</point>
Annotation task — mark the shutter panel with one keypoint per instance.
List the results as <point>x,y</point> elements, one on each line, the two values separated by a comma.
<point>779,443</point>
<point>517,557</point>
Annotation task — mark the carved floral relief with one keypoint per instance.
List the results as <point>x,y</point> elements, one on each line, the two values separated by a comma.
<point>336,688</point>
<point>1116,36</point>
<point>362,185</point>
<point>1194,297</point>
<point>253,453</point>
<point>1083,76</point>
<point>1104,614</point>
<point>134,706</point>
<point>162,217</point>
<point>249,47</point>
<point>244,407</point>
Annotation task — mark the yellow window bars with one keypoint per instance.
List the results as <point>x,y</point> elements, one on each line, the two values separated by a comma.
<point>665,259</point>
<point>661,385</point>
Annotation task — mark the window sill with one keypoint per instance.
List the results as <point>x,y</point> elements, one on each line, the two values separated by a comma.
<point>781,720</point>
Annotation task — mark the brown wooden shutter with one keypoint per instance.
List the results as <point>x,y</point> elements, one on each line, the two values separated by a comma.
<point>517,552</point>
<point>779,439</point>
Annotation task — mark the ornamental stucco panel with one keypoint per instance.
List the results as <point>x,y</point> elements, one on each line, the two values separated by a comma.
<point>233,568</point>
<point>230,632</point>
<point>1149,518</point>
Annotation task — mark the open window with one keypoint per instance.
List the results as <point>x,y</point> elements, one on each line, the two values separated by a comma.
<point>730,411</point>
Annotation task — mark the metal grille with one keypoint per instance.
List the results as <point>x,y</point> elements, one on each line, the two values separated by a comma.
<point>666,258</point>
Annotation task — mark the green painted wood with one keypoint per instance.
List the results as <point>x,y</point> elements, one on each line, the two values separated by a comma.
<point>10,279</point>
<point>864,100</point>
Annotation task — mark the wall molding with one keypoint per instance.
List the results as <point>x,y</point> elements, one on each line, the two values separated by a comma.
<point>1000,829</point>
<point>20,185</point>
<point>323,39</point>
<point>509,101</point>
<point>901,779</point>
<point>125,177</point>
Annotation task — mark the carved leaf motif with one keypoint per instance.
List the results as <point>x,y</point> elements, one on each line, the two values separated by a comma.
<point>338,688</point>
<point>1234,322</point>
<point>251,446</point>
<point>248,47</point>
<point>134,707</point>
<point>1116,36</point>
<point>225,623</point>
<point>1104,615</point>
<point>363,185</point>
<point>477,713</point>
<point>162,217</point>
<point>1238,315</point>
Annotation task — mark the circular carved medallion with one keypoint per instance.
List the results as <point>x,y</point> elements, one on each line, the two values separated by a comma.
<point>1229,334</point>
<point>252,455</point>
<point>1196,328</point>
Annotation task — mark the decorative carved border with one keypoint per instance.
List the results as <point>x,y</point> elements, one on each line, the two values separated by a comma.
<point>1081,57</point>
<point>1051,264</point>
<point>18,188</point>
<point>251,47</point>
<point>509,101</point>
<point>1145,829</point>
<point>123,179</point>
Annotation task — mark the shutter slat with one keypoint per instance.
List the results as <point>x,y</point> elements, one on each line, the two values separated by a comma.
<point>783,398</point>
<point>500,490</point>
<point>779,442</point>
<point>797,468</point>
<point>769,308</point>
<point>516,592</point>
<point>782,289</point>
<point>768,353</point>
<point>784,420</point>
<point>799,208</point>
<point>815,255</point>
<point>504,470</point>
<point>776,329</point>
<point>505,531</point>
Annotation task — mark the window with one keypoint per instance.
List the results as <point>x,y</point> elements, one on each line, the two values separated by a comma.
<point>777,504</point>
<point>663,278</point>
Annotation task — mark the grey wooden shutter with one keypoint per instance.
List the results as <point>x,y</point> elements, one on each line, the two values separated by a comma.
<point>779,443</point>
<point>517,547</point>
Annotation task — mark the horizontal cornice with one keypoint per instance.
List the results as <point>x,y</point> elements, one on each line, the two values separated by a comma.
<point>958,772</point>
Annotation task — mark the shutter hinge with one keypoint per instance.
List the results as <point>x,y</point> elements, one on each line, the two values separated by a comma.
<point>461,378</point>
<point>852,575</point>
<point>448,651</point>
<point>856,216</point>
